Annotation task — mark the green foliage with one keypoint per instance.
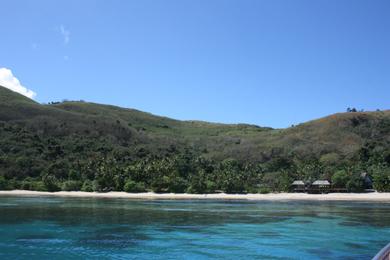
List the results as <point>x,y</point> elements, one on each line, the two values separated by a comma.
<point>211,187</point>
<point>38,186</point>
<point>92,147</point>
<point>132,186</point>
<point>264,190</point>
<point>340,179</point>
<point>330,159</point>
<point>50,183</point>
<point>381,178</point>
<point>71,186</point>
<point>96,186</point>
<point>26,185</point>
<point>355,184</point>
<point>277,181</point>
<point>177,185</point>
<point>160,184</point>
<point>197,185</point>
<point>87,186</point>
<point>3,183</point>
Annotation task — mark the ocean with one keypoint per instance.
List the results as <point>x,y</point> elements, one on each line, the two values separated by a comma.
<point>85,228</point>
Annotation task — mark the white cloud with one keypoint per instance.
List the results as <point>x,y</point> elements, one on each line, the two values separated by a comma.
<point>65,34</point>
<point>8,80</point>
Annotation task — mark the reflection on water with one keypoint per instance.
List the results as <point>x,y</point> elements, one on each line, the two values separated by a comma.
<point>35,227</point>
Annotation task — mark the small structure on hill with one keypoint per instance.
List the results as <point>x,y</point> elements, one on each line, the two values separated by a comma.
<point>320,186</point>
<point>298,186</point>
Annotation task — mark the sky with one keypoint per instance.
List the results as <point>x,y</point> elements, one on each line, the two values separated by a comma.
<point>265,62</point>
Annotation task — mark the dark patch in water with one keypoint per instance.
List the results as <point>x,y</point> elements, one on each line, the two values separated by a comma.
<point>122,236</point>
<point>184,228</point>
<point>190,228</point>
<point>269,234</point>
<point>267,219</point>
<point>290,214</point>
<point>110,240</point>
<point>303,221</point>
<point>350,223</point>
<point>118,230</point>
<point>326,217</point>
<point>355,245</point>
<point>39,239</point>
<point>321,252</point>
<point>38,236</point>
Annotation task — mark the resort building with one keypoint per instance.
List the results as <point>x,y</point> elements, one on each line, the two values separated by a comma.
<point>320,186</point>
<point>298,186</point>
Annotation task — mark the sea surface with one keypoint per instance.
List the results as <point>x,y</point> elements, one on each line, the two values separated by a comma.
<point>81,228</point>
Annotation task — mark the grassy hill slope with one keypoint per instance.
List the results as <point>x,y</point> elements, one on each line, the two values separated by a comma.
<point>37,140</point>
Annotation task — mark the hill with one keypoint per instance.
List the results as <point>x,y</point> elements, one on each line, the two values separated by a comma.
<point>102,147</point>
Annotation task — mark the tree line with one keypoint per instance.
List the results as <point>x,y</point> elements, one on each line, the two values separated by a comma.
<point>37,161</point>
<point>185,173</point>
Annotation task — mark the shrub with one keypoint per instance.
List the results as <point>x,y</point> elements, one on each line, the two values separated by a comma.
<point>192,189</point>
<point>252,189</point>
<point>355,184</point>
<point>96,186</point>
<point>132,186</point>
<point>26,185</point>
<point>160,184</point>
<point>38,186</point>
<point>201,187</point>
<point>381,178</point>
<point>177,185</point>
<point>50,183</point>
<point>340,179</point>
<point>196,185</point>
<point>87,186</point>
<point>210,186</point>
<point>3,183</point>
<point>264,190</point>
<point>71,186</point>
<point>277,181</point>
<point>8,184</point>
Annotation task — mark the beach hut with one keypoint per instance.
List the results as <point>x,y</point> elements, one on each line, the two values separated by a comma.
<point>320,186</point>
<point>298,186</point>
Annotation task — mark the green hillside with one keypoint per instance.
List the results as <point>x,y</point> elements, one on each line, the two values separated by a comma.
<point>80,145</point>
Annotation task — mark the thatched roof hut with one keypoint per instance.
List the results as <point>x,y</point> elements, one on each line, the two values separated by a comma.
<point>319,186</point>
<point>298,186</point>
<point>298,183</point>
<point>321,183</point>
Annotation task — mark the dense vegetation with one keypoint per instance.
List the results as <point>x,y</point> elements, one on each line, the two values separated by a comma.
<point>92,147</point>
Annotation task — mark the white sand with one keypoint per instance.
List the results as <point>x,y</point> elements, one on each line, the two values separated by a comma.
<point>375,196</point>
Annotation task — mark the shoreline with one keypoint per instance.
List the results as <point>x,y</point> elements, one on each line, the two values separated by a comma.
<point>374,196</point>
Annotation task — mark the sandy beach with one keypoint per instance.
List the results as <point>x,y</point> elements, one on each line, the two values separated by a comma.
<point>375,196</point>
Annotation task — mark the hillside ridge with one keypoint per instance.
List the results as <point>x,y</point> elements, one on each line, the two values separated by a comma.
<point>66,140</point>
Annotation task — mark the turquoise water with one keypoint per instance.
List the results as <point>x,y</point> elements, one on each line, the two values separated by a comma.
<point>42,228</point>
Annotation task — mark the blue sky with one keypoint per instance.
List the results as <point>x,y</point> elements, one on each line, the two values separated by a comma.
<point>271,63</point>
